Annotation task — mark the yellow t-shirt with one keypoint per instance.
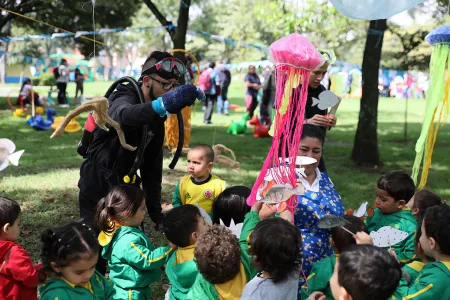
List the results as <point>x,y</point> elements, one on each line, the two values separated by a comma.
<point>203,194</point>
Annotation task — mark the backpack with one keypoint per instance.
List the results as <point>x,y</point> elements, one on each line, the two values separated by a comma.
<point>204,82</point>
<point>224,76</point>
<point>56,72</point>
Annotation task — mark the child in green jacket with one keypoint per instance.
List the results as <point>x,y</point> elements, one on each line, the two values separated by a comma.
<point>133,261</point>
<point>182,226</point>
<point>393,192</point>
<point>69,255</point>
<point>363,272</point>
<point>321,272</point>
<point>433,281</point>
<point>223,261</point>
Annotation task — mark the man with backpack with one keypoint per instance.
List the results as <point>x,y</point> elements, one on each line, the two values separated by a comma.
<point>61,74</point>
<point>209,82</point>
<point>224,82</point>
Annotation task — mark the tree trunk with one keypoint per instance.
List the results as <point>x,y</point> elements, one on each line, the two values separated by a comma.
<point>365,149</point>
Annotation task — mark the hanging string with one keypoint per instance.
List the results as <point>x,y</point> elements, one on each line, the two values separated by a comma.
<point>56,27</point>
<point>93,23</point>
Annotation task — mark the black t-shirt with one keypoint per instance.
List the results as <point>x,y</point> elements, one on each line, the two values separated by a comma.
<point>310,110</point>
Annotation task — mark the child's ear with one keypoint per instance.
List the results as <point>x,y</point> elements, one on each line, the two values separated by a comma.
<point>401,204</point>
<point>210,166</point>
<point>415,211</point>
<point>55,267</point>
<point>194,237</point>
<point>432,243</point>
<point>6,227</point>
<point>331,242</point>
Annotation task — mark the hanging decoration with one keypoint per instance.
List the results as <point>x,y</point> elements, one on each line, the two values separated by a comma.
<point>373,9</point>
<point>294,57</point>
<point>437,108</point>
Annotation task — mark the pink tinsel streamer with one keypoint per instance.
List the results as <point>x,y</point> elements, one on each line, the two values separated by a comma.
<point>285,135</point>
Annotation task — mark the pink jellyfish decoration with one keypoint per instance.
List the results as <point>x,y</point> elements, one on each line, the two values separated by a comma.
<point>295,57</point>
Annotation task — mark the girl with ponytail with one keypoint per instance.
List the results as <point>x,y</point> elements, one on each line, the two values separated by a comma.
<point>133,261</point>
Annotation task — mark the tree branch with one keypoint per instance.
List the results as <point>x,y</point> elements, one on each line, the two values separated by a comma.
<point>161,18</point>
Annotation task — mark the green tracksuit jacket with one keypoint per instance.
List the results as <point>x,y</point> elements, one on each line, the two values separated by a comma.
<point>59,289</point>
<point>204,290</point>
<point>319,278</point>
<point>133,262</point>
<point>402,220</point>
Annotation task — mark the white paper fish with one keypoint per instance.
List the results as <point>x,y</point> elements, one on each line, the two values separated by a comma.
<point>361,211</point>
<point>282,192</point>
<point>388,236</point>
<point>7,154</point>
<point>236,229</point>
<point>204,214</point>
<point>326,100</point>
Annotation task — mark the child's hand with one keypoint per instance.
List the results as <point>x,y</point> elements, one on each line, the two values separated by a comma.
<point>267,211</point>
<point>257,206</point>
<point>392,253</point>
<point>166,206</point>
<point>363,238</point>
<point>317,296</point>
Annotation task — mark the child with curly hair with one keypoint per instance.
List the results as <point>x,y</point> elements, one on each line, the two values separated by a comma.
<point>223,261</point>
<point>276,250</point>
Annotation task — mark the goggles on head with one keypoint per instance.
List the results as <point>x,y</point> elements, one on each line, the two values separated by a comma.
<point>167,68</point>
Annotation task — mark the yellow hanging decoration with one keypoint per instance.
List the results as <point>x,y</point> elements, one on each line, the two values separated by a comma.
<point>171,126</point>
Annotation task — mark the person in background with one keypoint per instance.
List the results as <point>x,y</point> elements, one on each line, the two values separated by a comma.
<point>253,84</point>
<point>209,82</point>
<point>268,97</point>
<point>79,80</point>
<point>26,93</point>
<point>62,78</point>
<point>224,82</point>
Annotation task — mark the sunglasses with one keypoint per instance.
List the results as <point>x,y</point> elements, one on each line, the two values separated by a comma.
<point>170,65</point>
<point>166,85</point>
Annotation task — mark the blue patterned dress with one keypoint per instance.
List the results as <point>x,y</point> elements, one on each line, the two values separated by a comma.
<point>310,209</point>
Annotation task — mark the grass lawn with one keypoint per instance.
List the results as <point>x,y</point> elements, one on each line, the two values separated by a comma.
<point>45,183</point>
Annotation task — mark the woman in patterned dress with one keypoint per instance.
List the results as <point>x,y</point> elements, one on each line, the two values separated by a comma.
<point>320,199</point>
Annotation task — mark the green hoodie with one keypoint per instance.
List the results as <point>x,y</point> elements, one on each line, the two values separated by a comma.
<point>319,278</point>
<point>433,283</point>
<point>402,220</point>
<point>60,289</point>
<point>133,262</point>
<point>181,275</point>
<point>413,269</point>
<point>204,290</point>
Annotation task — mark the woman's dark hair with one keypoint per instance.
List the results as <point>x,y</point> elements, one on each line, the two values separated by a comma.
<point>217,254</point>
<point>212,65</point>
<point>9,211</point>
<point>437,226</point>
<point>231,204</point>
<point>77,70</point>
<point>368,272</point>
<point>312,131</point>
<point>179,224</point>
<point>398,184</point>
<point>425,199</point>
<point>67,244</point>
<point>342,238</point>
<point>121,202</point>
<point>26,81</point>
<point>276,245</point>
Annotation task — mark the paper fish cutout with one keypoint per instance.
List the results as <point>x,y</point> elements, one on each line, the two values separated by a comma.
<point>326,100</point>
<point>281,193</point>
<point>331,221</point>
<point>7,154</point>
<point>388,236</point>
<point>204,214</point>
<point>235,228</point>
